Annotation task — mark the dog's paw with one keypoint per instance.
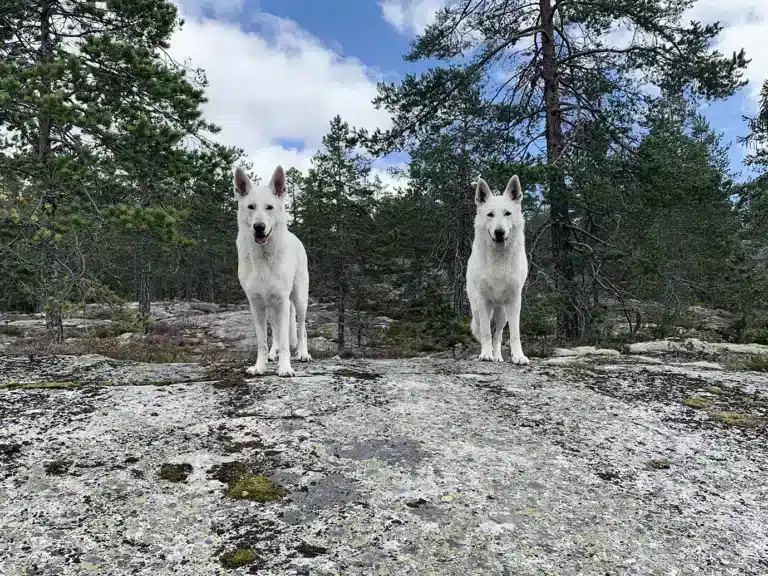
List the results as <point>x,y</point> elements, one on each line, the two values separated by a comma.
<point>255,370</point>
<point>486,357</point>
<point>519,359</point>
<point>285,371</point>
<point>303,357</point>
<point>272,356</point>
<point>498,358</point>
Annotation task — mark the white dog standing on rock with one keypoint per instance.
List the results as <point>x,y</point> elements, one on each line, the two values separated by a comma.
<point>497,269</point>
<point>272,268</point>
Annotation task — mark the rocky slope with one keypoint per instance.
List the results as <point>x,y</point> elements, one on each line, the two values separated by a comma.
<point>587,463</point>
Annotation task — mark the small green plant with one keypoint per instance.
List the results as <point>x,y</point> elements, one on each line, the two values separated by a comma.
<point>256,488</point>
<point>659,464</point>
<point>237,558</point>
<point>736,419</point>
<point>757,364</point>
<point>697,403</point>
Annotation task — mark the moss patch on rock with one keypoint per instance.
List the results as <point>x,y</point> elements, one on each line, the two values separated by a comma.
<point>175,472</point>
<point>659,464</point>
<point>227,472</point>
<point>736,419</point>
<point>697,403</point>
<point>757,364</point>
<point>39,385</point>
<point>253,487</point>
<point>237,558</point>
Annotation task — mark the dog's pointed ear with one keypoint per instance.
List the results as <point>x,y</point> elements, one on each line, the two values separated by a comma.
<point>242,182</point>
<point>482,192</point>
<point>513,189</point>
<point>278,182</point>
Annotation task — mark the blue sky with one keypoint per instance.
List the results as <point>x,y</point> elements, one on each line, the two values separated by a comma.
<point>279,69</point>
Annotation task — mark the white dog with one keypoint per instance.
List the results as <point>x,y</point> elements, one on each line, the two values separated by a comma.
<point>497,269</point>
<point>272,268</point>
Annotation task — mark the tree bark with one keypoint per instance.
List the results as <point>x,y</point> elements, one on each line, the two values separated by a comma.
<point>463,247</point>
<point>144,280</point>
<point>341,308</point>
<point>49,276</point>
<point>568,319</point>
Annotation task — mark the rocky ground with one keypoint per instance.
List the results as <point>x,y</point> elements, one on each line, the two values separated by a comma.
<point>649,461</point>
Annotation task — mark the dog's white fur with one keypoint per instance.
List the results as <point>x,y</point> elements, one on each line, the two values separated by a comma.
<point>497,269</point>
<point>272,268</point>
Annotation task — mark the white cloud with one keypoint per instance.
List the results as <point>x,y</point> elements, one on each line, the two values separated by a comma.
<point>219,8</point>
<point>410,16</point>
<point>280,84</point>
<point>745,25</point>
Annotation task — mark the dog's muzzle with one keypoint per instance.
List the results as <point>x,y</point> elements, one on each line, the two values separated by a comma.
<point>499,236</point>
<point>260,234</point>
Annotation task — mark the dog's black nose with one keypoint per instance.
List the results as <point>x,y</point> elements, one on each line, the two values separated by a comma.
<point>499,234</point>
<point>259,229</point>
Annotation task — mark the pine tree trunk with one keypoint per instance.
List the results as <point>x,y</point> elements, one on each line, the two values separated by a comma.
<point>144,269</point>
<point>568,324</point>
<point>341,307</point>
<point>49,268</point>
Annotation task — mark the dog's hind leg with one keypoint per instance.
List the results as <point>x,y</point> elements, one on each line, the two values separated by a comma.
<point>274,350</point>
<point>513,315</point>
<point>500,319</point>
<point>300,301</point>
<point>293,334</point>
<point>259,313</point>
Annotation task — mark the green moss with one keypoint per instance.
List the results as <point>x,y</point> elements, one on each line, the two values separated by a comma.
<point>175,472</point>
<point>757,364</point>
<point>237,558</point>
<point>659,464</point>
<point>257,488</point>
<point>39,385</point>
<point>736,419</point>
<point>697,403</point>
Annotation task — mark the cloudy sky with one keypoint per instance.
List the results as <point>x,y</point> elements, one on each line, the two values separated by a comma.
<point>279,70</point>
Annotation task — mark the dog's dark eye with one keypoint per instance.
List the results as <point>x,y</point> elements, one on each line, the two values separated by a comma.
<point>507,213</point>
<point>490,214</point>
<point>251,206</point>
<point>270,207</point>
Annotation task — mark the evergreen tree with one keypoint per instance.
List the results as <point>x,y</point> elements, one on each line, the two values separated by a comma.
<point>84,88</point>
<point>551,69</point>
<point>336,210</point>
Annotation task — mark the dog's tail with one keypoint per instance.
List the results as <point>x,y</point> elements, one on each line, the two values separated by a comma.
<point>293,332</point>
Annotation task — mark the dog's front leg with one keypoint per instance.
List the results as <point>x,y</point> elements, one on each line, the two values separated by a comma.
<point>259,313</point>
<point>513,316</point>
<point>484,325</point>
<point>283,323</point>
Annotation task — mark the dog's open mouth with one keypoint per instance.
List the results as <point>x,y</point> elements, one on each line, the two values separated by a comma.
<point>261,238</point>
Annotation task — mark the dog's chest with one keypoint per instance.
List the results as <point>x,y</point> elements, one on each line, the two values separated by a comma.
<point>499,280</point>
<point>266,279</point>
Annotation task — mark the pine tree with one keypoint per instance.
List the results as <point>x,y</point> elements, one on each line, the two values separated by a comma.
<point>336,219</point>
<point>551,68</point>
<point>75,79</point>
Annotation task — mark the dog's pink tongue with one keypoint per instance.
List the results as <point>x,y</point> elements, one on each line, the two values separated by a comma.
<point>261,239</point>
